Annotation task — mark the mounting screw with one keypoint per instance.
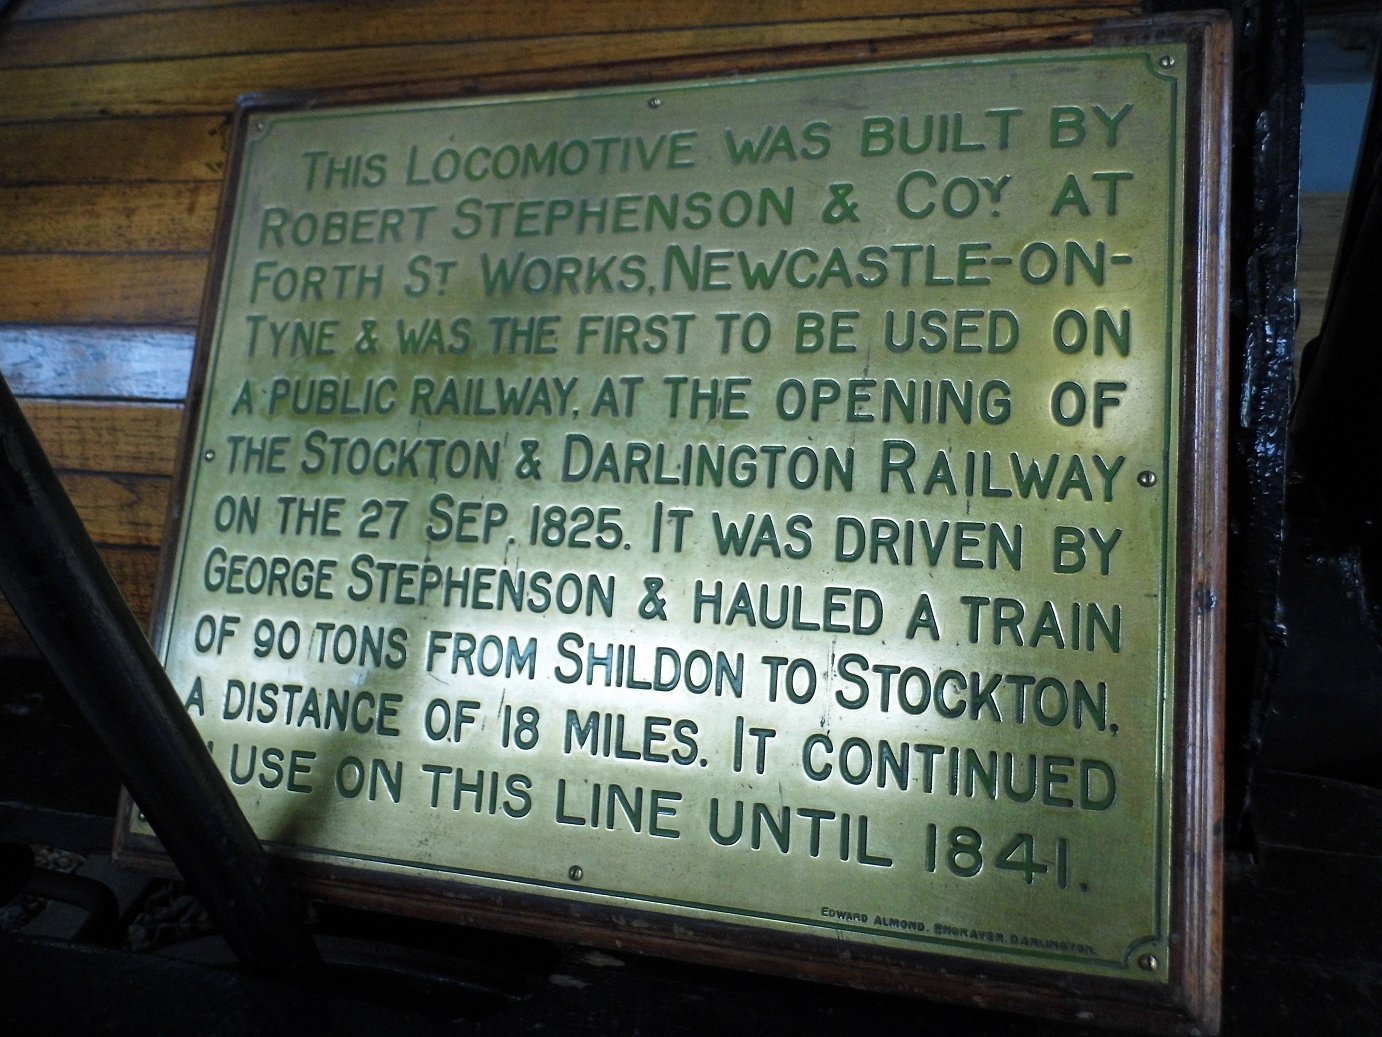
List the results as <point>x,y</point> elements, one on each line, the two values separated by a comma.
<point>575,874</point>
<point>210,455</point>
<point>654,102</point>
<point>1146,478</point>
<point>1148,963</point>
<point>1167,61</point>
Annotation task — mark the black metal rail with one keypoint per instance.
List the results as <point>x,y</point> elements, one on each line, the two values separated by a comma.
<point>57,583</point>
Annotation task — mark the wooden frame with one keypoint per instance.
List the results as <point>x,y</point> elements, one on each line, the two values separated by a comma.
<point>1188,1002</point>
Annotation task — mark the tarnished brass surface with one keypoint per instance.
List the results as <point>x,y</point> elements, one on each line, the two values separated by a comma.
<point>842,508</point>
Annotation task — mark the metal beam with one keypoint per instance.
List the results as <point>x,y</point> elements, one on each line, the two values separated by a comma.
<point>54,578</point>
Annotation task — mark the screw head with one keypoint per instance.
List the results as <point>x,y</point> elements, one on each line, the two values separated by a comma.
<point>210,455</point>
<point>575,873</point>
<point>654,102</point>
<point>1148,963</point>
<point>1167,61</point>
<point>1146,478</point>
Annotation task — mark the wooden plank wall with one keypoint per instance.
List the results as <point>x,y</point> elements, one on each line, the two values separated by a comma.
<point>113,119</point>
<point>1321,224</point>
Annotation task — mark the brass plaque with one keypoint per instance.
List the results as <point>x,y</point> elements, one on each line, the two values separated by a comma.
<point>748,501</point>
